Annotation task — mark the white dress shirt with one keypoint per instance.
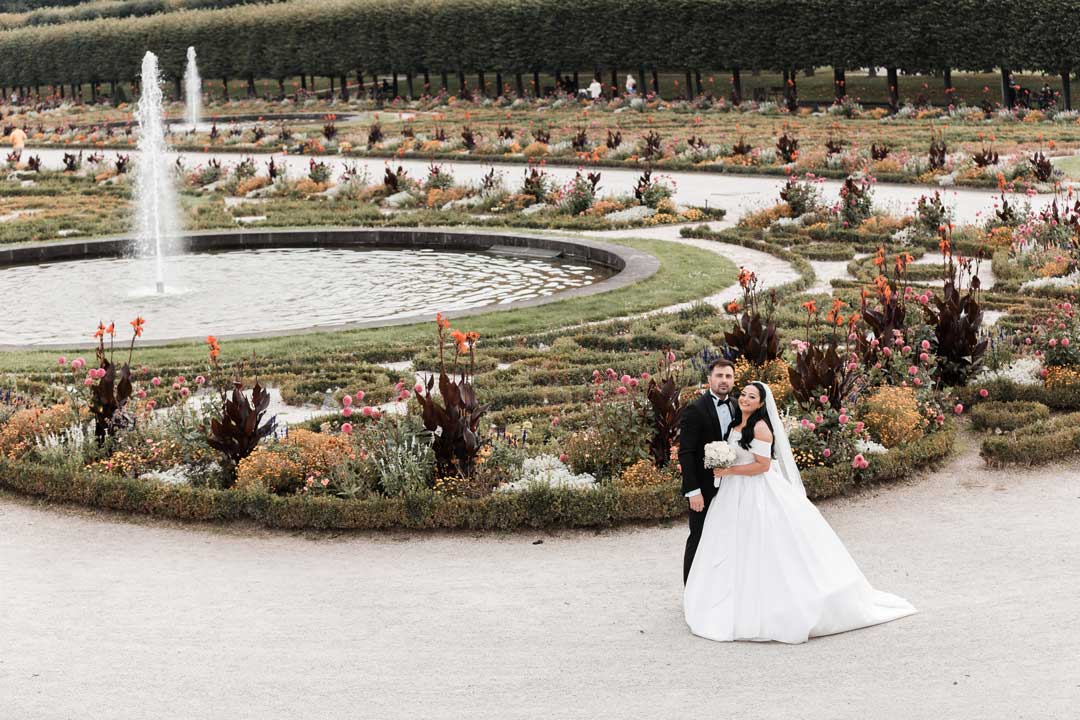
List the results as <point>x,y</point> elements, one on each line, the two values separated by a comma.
<point>723,413</point>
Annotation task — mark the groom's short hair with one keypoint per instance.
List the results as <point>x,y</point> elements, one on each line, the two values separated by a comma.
<point>721,362</point>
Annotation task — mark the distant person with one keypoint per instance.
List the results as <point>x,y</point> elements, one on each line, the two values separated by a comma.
<point>595,89</point>
<point>631,85</point>
<point>18,139</point>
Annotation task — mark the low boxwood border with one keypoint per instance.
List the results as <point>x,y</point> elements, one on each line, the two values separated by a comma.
<point>1043,442</point>
<point>1007,415</point>
<point>539,507</point>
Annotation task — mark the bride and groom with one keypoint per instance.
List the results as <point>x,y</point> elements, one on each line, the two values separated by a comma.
<point>761,562</point>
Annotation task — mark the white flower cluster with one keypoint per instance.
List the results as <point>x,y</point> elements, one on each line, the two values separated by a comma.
<point>869,447</point>
<point>548,470</point>
<point>1022,371</point>
<point>1067,281</point>
<point>719,454</point>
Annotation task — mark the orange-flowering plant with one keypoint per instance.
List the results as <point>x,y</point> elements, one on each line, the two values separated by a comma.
<point>454,423</point>
<point>113,387</point>
<point>754,335</point>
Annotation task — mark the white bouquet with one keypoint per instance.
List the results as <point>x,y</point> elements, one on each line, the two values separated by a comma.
<point>719,454</point>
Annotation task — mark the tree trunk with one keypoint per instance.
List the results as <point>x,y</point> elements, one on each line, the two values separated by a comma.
<point>614,83</point>
<point>360,84</point>
<point>463,84</point>
<point>345,87</point>
<point>427,82</point>
<point>736,86</point>
<point>481,83</point>
<point>303,81</point>
<point>225,88</point>
<point>536,83</point>
<point>498,84</point>
<point>839,83</point>
<point>697,78</point>
<point>519,84</point>
<point>656,82</point>
<point>946,76</point>
<point>1007,96</point>
<point>409,83</point>
<point>331,95</point>
<point>688,91</point>
<point>792,91</point>
<point>446,82</point>
<point>1066,89</point>
<point>892,77</point>
<point>251,91</point>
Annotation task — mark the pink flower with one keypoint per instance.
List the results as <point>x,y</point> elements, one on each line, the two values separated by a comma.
<point>155,381</point>
<point>819,419</point>
<point>859,426</point>
<point>346,411</point>
<point>913,370</point>
<point>151,404</point>
<point>625,379</point>
<point>78,363</point>
<point>645,376</point>
<point>917,382</point>
<point>983,392</point>
<point>347,400</point>
<point>622,390</point>
<point>359,395</point>
<point>595,373</point>
<point>924,357</point>
<point>563,457</point>
<point>61,360</point>
<point>940,419</point>
<point>843,419</point>
<point>376,414</point>
<point>404,395</point>
<point>925,344</point>
<point>181,379</point>
<point>366,411</point>
<point>859,462</point>
<point>88,382</point>
<point>418,388</point>
<point>851,366</point>
<point>346,428</point>
<point>176,386</point>
<point>200,380</point>
<point>811,426</point>
<point>555,421</point>
<point>1027,341</point>
<point>805,423</point>
<point>141,394</point>
<point>924,299</point>
<point>184,392</point>
<point>959,409</point>
<point>887,352</point>
<point>906,349</point>
<point>1064,342</point>
<point>1053,342</point>
<point>632,382</point>
<point>824,399</point>
<point>826,452</point>
<point>611,374</point>
<point>670,356</point>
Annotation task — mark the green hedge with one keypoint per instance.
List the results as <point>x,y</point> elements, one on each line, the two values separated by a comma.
<point>1006,390</point>
<point>331,37</point>
<point>53,12</point>
<point>1010,415</point>
<point>1042,442</point>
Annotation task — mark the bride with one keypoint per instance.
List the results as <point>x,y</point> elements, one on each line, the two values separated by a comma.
<point>768,566</point>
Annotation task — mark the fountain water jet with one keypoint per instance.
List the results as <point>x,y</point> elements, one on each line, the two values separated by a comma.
<point>155,201</point>
<point>193,90</point>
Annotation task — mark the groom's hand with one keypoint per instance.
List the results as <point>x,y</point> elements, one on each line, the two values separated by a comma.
<point>697,503</point>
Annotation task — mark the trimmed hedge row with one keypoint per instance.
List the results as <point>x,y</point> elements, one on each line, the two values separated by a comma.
<point>540,507</point>
<point>333,37</point>
<point>1042,442</point>
<point>53,12</point>
<point>1008,416</point>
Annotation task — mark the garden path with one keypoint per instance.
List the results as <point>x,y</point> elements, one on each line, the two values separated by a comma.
<point>735,193</point>
<point>106,616</point>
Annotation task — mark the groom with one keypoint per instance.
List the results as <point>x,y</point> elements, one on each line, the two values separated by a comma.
<point>705,420</point>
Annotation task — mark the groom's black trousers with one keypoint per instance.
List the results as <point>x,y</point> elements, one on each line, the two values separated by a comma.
<point>697,522</point>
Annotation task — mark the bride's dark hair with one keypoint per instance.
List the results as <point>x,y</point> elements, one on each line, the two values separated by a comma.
<point>760,414</point>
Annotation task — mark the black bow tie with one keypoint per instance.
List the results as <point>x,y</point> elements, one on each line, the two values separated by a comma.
<point>721,402</point>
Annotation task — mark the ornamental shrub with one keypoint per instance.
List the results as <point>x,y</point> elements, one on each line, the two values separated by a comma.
<point>892,416</point>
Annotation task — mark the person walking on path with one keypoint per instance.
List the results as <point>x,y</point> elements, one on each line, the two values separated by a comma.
<point>18,139</point>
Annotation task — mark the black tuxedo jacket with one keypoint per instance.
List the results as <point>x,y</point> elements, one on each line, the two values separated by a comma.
<point>700,426</point>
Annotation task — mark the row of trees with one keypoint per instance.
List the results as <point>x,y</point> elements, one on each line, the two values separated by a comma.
<point>19,14</point>
<point>339,37</point>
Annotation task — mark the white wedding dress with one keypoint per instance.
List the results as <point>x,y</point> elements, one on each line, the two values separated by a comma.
<point>769,567</point>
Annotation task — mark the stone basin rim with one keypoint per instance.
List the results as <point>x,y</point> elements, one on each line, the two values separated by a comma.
<point>630,265</point>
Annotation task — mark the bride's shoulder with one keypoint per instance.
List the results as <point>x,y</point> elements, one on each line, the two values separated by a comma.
<point>762,431</point>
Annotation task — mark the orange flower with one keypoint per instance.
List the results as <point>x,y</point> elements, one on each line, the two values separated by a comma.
<point>444,324</point>
<point>810,306</point>
<point>215,349</point>
<point>459,338</point>
<point>732,307</point>
<point>111,330</point>
<point>879,259</point>
<point>137,324</point>
<point>100,330</point>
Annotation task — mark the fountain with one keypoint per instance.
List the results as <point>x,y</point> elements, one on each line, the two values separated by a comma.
<point>193,90</point>
<point>155,201</point>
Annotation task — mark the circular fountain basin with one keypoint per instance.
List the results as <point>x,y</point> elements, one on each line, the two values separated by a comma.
<point>271,283</point>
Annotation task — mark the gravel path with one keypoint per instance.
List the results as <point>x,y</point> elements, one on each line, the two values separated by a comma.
<point>105,616</point>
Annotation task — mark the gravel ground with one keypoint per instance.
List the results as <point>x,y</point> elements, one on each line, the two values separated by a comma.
<point>108,616</point>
